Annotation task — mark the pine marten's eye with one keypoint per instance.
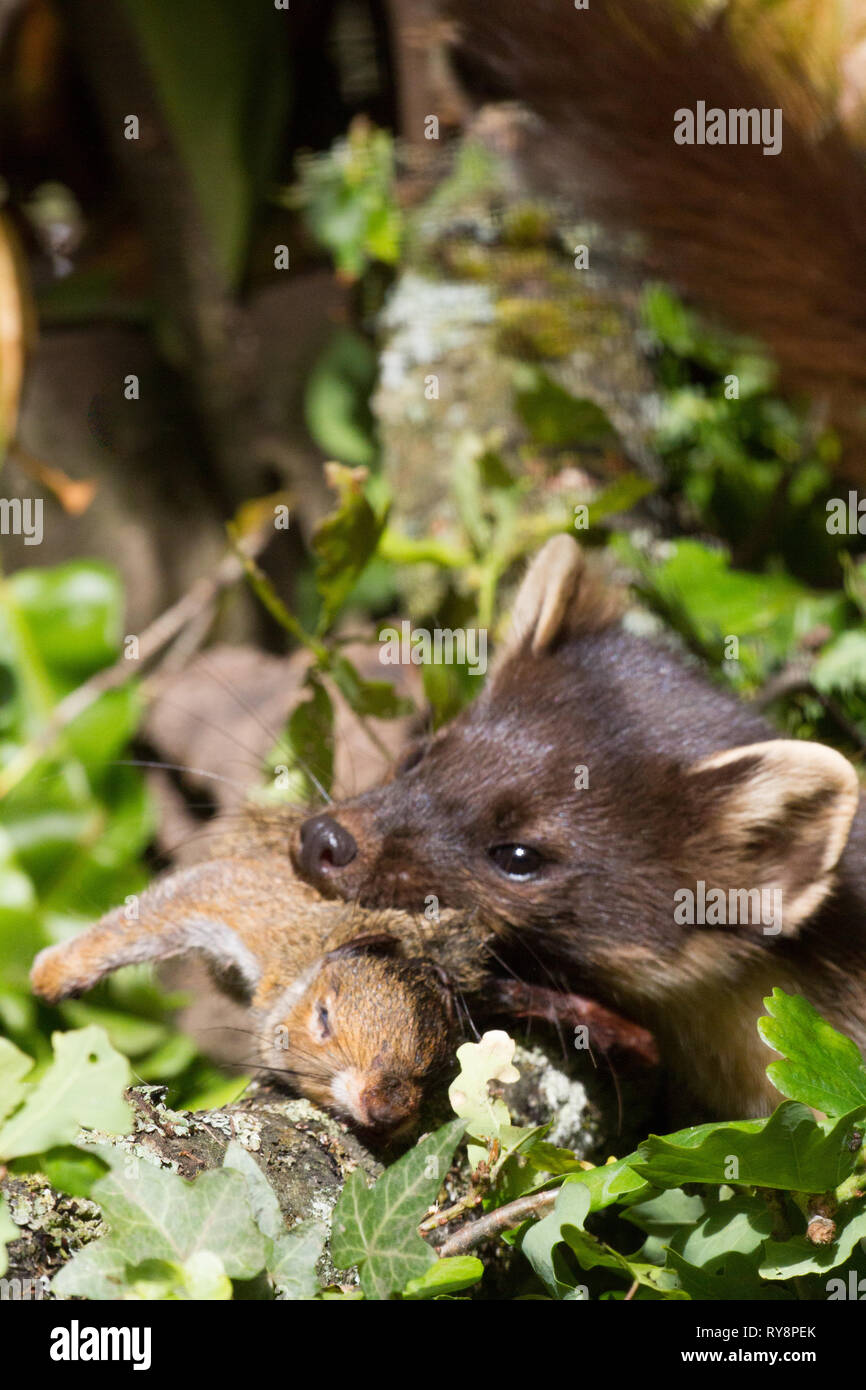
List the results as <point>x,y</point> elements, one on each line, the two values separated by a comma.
<point>517,861</point>
<point>411,759</point>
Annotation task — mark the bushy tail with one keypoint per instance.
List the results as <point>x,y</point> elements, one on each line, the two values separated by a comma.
<point>773,244</point>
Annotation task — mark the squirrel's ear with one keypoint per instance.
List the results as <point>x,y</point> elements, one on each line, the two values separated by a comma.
<point>369,944</point>
<point>187,911</point>
<point>559,596</point>
<point>775,816</point>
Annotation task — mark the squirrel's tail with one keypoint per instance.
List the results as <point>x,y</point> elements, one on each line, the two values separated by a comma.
<point>775,244</point>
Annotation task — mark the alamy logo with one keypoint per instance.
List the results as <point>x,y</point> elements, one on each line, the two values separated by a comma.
<point>77,1343</point>
<point>846,518</point>
<point>443,646</point>
<point>22,517</point>
<point>737,907</point>
<point>740,125</point>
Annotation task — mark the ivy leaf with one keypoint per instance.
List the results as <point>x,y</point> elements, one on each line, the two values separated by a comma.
<point>376,1228</point>
<point>294,1253</point>
<point>201,1278</point>
<point>293,1263</point>
<point>345,540</point>
<point>261,1196</point>
<point>821,1067</point>
<point>789,1150</point>
<point>450,1275</point>
<point>157,1215</point>
<point>81,1089</point>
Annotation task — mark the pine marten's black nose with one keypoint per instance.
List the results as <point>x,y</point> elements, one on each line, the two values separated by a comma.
<point>325,845</point>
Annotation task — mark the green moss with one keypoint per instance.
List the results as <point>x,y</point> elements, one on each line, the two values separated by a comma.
<point>534,329</point>
<point>526,224</point>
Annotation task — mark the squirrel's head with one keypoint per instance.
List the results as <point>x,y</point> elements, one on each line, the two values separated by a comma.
<point>362,1034</point>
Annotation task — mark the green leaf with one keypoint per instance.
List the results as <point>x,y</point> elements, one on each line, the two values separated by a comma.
<point>821,1067</point>
<point>611,1182</point>
<point>310,736</point>
<point>540,1241</point>
<point>734,1277</point>
<point>292,1266</point>
<point>557,419</point>
<point>347,196</point>
<point>789,1150</point>
<point>14,1066</point>
<point>841,666</point>
<point>450,1275</point>
<point>81,1089</point>
<point>261,1196</point>
<point>344,542</point>
<point>564,1226</point>
<point>791,1258</point>
<point>336,399</point>
<point>294,1253</point>
<point>619,496</point>
<point>378,699</point>
<point>74,613</point>
<point>201,1278</point>
<point>220,76</point>
<point>157,1215</point>
<point>376,1228</point>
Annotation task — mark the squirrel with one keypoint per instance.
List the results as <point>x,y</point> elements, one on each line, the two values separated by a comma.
<point>357,1010</point>
<point>773,244</point>
<point>595,788</point>
<point>344,1005</point>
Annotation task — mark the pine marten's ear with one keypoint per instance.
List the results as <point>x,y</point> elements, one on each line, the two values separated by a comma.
<point>772,816</point>
<point>182,913</point>
<point>559,597</point>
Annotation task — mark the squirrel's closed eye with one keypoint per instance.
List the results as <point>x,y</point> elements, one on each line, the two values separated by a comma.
<point>320,1023</point>
<point>517,861</point>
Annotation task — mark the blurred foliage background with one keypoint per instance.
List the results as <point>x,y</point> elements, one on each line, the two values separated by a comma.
<point>279,270</point>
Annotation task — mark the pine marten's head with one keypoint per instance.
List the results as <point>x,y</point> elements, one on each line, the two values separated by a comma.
<point>594,784</point>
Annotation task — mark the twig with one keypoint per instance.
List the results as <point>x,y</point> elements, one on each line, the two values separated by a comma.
<point>502,1219</point>
<point>444,1218</point>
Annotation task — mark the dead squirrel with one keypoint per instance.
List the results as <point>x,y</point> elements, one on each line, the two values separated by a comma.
<point>684,786</point>
<point>345,1005</point>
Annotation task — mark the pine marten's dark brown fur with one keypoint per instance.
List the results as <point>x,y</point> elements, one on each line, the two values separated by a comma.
<point>686,786</point>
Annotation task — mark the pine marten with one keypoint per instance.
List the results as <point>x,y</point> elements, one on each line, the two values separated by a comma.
<point>595,788</point>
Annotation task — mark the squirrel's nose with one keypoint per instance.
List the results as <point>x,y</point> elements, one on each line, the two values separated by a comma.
<point>325,845</point>
<point>389,1101</point>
